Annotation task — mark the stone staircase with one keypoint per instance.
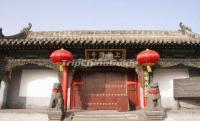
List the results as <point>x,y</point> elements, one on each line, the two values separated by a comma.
<point>107,116</point>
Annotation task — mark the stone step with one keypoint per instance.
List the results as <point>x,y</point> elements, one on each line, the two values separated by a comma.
<point>103,119</point>
<point>106,112</point>
<point>108,116</point>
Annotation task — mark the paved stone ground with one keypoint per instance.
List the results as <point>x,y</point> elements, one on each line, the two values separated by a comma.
<point>183,115</point>
<point>23,117</point>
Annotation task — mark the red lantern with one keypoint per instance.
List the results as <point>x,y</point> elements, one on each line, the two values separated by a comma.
<point>148,58</point>
<point>59,56</point>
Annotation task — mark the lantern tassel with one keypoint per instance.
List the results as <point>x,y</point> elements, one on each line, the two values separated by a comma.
<point>61,67</point>
<point>149,68</point>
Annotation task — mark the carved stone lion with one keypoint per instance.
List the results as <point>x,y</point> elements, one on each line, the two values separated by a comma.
<point>56,97</point>
<point>154,97</point>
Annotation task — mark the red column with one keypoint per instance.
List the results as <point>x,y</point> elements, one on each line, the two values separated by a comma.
<point>65,85</point>
<point>138,94</point>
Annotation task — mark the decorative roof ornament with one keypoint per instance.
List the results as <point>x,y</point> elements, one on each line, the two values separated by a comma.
<point>27,29</point>
<point>1,34</point>
<point>184,29</point>
<point>22,35</point>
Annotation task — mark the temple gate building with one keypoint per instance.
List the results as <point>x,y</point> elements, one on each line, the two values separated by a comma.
<point>104,74</point>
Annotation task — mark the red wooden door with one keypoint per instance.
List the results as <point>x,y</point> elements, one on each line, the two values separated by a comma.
<point>102,88</point>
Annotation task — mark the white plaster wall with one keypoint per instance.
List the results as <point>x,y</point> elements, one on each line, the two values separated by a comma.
<point>36,85</point>
<point>165,79</point>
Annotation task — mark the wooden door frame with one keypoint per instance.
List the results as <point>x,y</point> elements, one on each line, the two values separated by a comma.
<point>73,83</point>
<point>137,83</point>
<point>80,82</point>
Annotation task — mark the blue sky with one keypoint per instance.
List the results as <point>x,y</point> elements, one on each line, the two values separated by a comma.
<point>50,15</point>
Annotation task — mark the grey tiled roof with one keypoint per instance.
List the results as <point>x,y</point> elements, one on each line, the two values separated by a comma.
<point>103,39</point>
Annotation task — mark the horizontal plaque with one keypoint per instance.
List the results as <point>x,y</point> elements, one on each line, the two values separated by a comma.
<point>105,54</point>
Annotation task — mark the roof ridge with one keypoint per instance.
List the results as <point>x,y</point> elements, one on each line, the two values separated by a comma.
<point>105,33</point>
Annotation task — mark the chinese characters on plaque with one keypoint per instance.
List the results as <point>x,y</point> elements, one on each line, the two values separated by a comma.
<point>105,54</point>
